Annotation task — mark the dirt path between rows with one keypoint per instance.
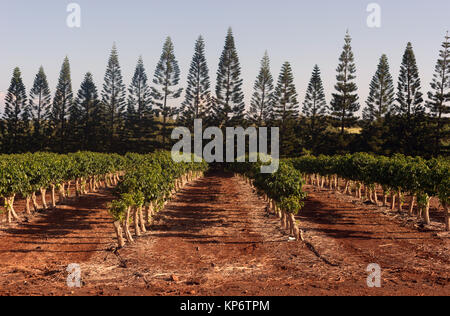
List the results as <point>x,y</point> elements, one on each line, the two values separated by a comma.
<point>215,238</point>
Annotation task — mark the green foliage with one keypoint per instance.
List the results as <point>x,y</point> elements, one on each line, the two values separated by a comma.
<point>27,173</point>
<point>407,174</point>
<point>15,110</point>
<point>113,98</point>
<point>62,105</point>
<point>286,106</point>
<point>151,178</point>
<point>197,102</point>
<point>345,101</point>
<point>262,100</point>
<point>439,97</point>
<point>229,105</point>
<point>381,95</point>
<point>166,80</point>
<point>284,186</point>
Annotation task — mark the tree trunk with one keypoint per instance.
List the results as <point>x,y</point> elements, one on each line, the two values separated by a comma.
<point>295,226</point>
<point>53,196</point>
<point>283,222</point>
<point>10,207</point>
<point>291,221</point>
<point>69,184</point>
<point>34,200</point>
<point>77,188</point>
<point>61,192</point>
<point>393,201</point>
<point>412,204</point>
<point>400,202</point>
<point>126,226</point>
<point>119,234</point>
<point>136,222</point>
<point>141,220</point>
<point>426,215</point>
<point>346,187</point>
<point>150,213</point>
<point>28,207</point>
<point>43,194</point>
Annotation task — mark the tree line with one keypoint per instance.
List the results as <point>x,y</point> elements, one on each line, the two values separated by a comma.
<point>140,117</point>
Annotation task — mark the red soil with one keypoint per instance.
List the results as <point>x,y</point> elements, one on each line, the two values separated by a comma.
<point>215,238</point>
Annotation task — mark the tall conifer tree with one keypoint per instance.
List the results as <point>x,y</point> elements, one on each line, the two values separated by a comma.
<point>166,80</point>
<point>381,95</point>
<point>261,104</point>
<point>15,103</point>
<point>286,106</point>
<point>40,103</point>
<point>315,107</point>
<point>88,114</point>
<point>286,109</point>
<point>62,103</point>
<point>439,97</point>
<point>113,98</point>
<point>345,104</point>
<point>409,96</point>
<point>229,107</point>
<point>139,112</point>
<point>409,107</point>
<point>197,103</point>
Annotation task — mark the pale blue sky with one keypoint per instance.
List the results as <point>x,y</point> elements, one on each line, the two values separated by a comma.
<point>34,33</point>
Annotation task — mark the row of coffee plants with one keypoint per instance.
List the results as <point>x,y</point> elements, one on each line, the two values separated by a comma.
<point>396,176</point>
<point>25,175</point>
<point>149,183</point>
<point>283,190</point>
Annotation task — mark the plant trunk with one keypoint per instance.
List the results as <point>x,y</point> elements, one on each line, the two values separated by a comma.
<point>28,206</point>
<point>62,197</point>
<point>136,222</point>
<point>126,226</point>
<point>426,215</point>
<point>69,184</point>
<point>77,188</point>
<point>346,187</point>
<point>43,194</point>
<point>119,234</point>
<point>34,200</point>
<point>375,195</point>
<point>53,196</point>
<point>393,201</point>
<point>412,204</point>
<point>10,207</point>
<point>141,220</point>
<point>400,202</point>
<point>296,229</point>
<point>283,222</point>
